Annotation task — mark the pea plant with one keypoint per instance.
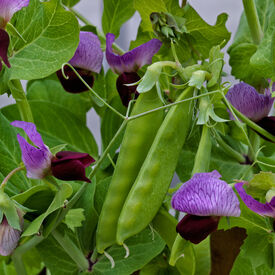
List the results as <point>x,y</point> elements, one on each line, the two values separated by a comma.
<point>182,181</point>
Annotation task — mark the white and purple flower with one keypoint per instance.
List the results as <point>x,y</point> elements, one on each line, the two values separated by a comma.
<point>253,105</point>
<point>86,61</point>
<point>205,198</point>
<point>40,162</point>
<point>7,9</point>
<point>127,65</point>
<point>263,209</point>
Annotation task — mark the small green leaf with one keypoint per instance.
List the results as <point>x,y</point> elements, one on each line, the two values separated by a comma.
<point>115,13</point>
<point>63,193</point>
<point>74,218</point>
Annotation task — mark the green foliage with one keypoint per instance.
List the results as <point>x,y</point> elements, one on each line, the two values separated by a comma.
<point>51,35</point>
<point>70,3</point>
<point>74,218</point>
<point>115,13</point>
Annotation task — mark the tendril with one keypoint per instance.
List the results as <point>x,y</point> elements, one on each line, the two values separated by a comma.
<point>110,258</point>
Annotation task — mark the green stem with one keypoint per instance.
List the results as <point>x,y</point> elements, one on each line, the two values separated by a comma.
<point>72,250</point>
<point>99,33</point>
<point>20,250</point>
<point>255,141</point>
<point>22,103</point>
<point>229,150</point>
<point>90,89</point>
<point>170,105</point>
<point>253,20</point>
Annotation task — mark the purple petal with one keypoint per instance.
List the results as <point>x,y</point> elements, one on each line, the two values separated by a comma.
<point>9,238</point>
<point>206,195</point>
<point>71,165</point>
<point>132,60</point>
<point>268,123</point>
<point>37,161</point>
<point>4,45</point>
<point>248,101</point>
<point>196,228</point>
<point>88,54</point>
<point>263,209</point>
<point>9,7</point>
<point>126,92</point>
<point>73,84</point>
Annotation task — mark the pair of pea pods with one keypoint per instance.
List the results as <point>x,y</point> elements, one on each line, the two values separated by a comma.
<point>145,167</point>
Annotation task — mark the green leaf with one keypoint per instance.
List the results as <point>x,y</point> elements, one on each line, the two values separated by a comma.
<point>56,259</point>
<point>50,90</point>
<point>145,8</point>
<point>115,13</point>
<point>259,62</point>
<point>52,36</point>
<point>10,158</point>
<point>143,248</point>
<point>100,193</point>
<point>63,193</point>
<point>74,218</point>
<point>70,3</point>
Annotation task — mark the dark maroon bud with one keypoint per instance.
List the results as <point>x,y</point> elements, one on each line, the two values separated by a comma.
<point>127,92</point>
<point>268,123</point>
<point>73,84</point>
<point>4,45</point>
<point>196,228</point>
<point>67,165</point>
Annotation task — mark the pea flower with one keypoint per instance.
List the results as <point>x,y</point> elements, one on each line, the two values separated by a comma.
<point>86,61</point>
<point>128,64</point>
<point>253,105</point>
<point>7,9</point>
<point>263,209</point>
<point>40,162</point>
<point>205,198</point>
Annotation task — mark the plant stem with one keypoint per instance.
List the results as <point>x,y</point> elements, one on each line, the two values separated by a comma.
<point>253,20</point>
<point>90,89</point>
<point>72,250</point>
<point>99,33</point>
<point>20,250</point>
<point>4,182</point>
<point>170,105</point>
<point>22,103</point>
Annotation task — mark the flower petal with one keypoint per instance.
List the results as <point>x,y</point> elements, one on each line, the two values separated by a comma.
<point>132,60</point>
<point>248,101</point>
<point>9,7</point>
<point>263,209</point>
<point>88,54</point>
<point>4,45</point>
<point>73,84</point>
<point>9,238</point>
<point>206,195</point>
<point>268,123</point>
<point>37,161</point>
<point>196,228</point>
<point>126,92</point>
<point>71,165</point>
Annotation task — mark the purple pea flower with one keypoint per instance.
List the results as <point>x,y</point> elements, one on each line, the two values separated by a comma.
<point>205,198</point>
<point>40,162</point>
<point>263,209</point>
<point>253,105</point>
<point>86,61</point>
<point>7,9</point>
<point>128,64</point>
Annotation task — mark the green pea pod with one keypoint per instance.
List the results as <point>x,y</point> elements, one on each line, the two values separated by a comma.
<point>155,176</point>
<point>137,140</point>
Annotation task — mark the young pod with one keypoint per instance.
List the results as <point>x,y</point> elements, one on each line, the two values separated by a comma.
<point>137,140</point>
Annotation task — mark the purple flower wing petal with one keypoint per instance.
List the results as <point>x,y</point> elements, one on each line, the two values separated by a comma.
<point>37,161</point>
<point>88,54</point>
<point>84,158</point>
<point>268,123</point>
<point>248,101</point>
<point>30,130</point>
<point>4,45</point>
<point>9,7</point>
<point>132,60</point>
<point>206,195</point>
<point>259,208</point>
